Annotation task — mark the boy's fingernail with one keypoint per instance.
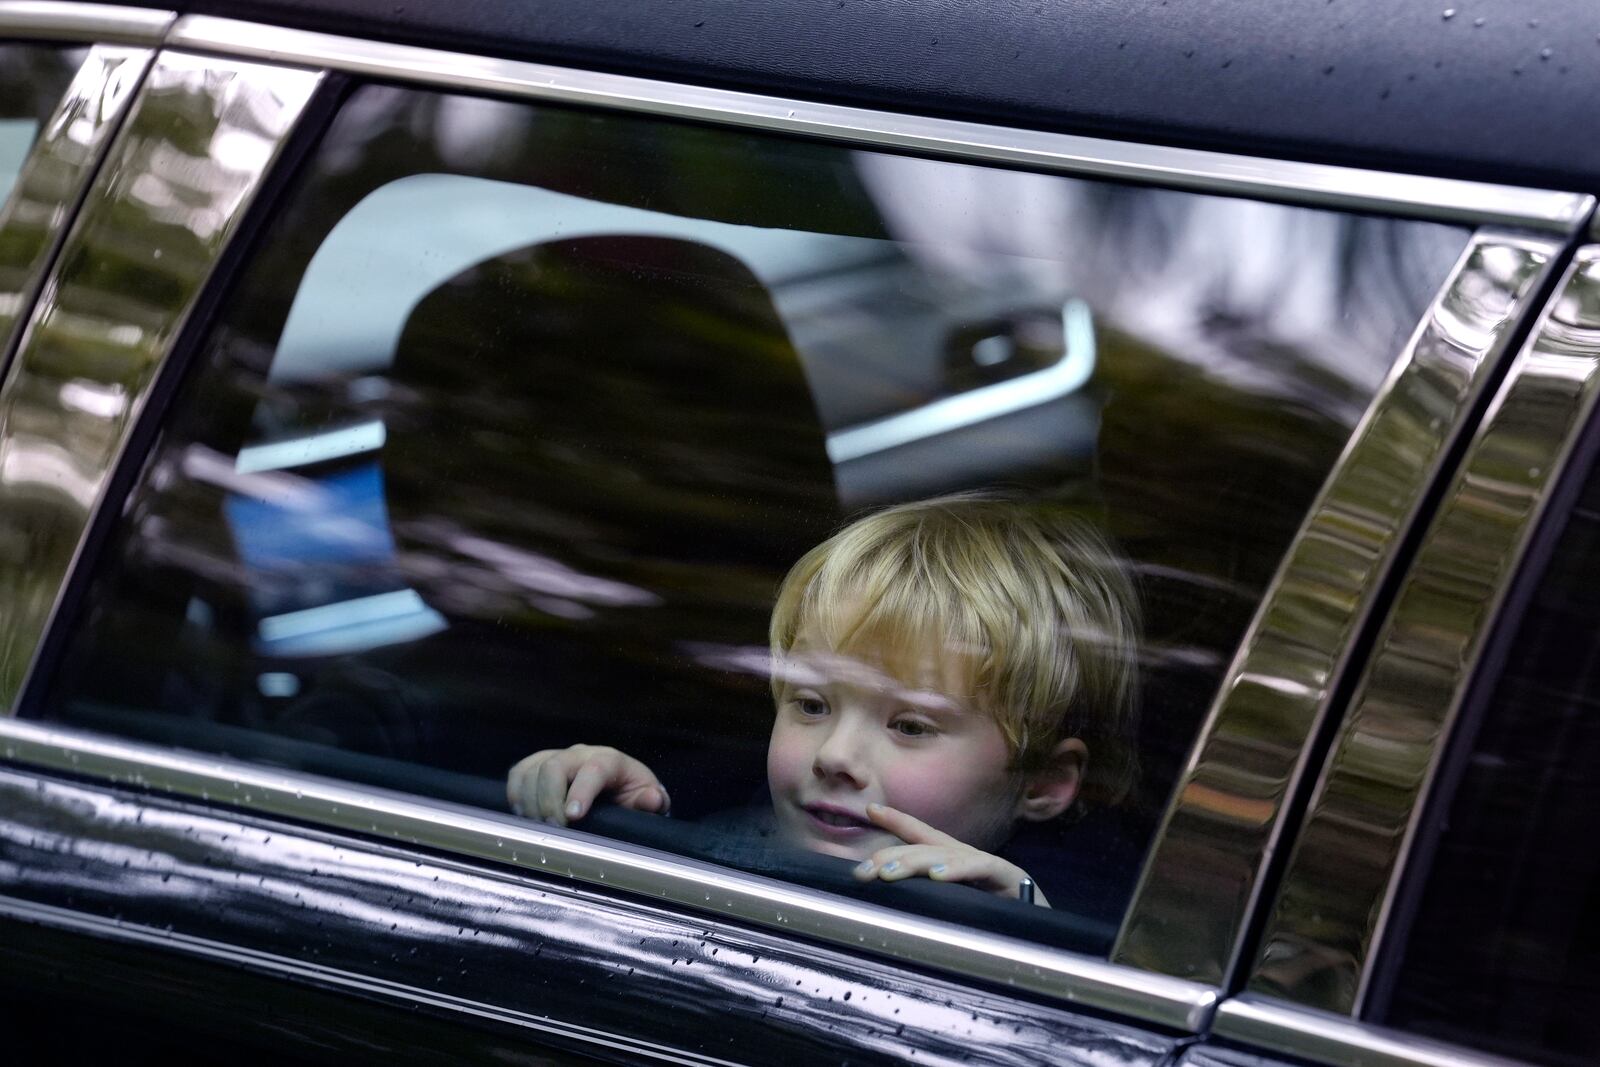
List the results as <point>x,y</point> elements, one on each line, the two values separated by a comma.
<point>938,870</point>
<point>574,808</point>
<point>892,867</point>
<point>516,808</point>
<point>866,867</point>
<point>874,808</point>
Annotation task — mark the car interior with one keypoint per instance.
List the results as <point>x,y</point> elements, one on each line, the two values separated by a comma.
<point>495,449</point>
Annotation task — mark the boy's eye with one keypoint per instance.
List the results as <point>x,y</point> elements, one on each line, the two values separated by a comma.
<point>810,706</point>
<point>911,727</point>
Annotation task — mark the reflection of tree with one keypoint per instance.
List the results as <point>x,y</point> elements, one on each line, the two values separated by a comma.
<point>33,81</point>
<point>137,256</point>
<point>119,284</point>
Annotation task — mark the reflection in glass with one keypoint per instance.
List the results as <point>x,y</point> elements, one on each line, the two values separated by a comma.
<point>119,292</point>
<point>33,79</point>
<point>507,437</point>
<point>58,107</point>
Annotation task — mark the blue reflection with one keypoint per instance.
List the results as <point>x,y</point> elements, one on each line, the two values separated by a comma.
<point>349,625</point>
<point>16,138</point>
<point>347,521</point>
<point>346,601</point>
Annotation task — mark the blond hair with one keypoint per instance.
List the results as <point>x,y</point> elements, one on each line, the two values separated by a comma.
<point>1035,601</point>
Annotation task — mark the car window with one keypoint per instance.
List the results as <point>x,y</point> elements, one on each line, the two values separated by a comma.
<point>509,435</point>
<point>1500,945</point>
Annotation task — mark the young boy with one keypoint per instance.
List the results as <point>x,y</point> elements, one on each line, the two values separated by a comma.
<point>942,670</point>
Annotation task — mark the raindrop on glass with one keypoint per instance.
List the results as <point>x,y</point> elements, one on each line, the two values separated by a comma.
<point>1449,13</point>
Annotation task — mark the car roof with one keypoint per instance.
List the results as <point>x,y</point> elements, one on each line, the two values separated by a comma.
<point>1461,88</point>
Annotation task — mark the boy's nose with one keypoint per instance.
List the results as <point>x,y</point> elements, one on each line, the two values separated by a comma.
<point>840,757</point>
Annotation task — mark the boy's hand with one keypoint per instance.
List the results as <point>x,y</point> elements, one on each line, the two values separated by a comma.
<point>559,785</point>
<point>938,856</point>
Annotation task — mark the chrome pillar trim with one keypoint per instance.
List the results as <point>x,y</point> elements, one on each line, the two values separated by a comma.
<point>199,137</point>
<point>1335,899</point>
<point>1335,1040</point>
<point>501,838</point>
<point>63,159</point>
<point>104,23</point>
<point>1224,822</point>
<point>1212,172</point>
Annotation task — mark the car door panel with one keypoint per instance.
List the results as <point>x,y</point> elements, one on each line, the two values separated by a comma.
<point>406,928</point>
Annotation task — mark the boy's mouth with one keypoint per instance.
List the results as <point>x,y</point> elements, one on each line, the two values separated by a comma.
<point>837,822</point>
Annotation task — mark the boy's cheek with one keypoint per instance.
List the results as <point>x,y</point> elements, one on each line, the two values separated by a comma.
<point>922,798</point>
<point>786,761</point>
<point>964,808</point>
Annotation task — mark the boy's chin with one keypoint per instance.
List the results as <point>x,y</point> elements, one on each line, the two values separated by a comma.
<point>854,853</point>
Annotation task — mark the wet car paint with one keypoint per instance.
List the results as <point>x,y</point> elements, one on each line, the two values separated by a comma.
<point>493,949</point>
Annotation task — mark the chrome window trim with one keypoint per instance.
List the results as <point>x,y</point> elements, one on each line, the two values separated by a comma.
<point>33,222</point>
<point>1335,1040</point>
<point>1319,947</point>
<point>1344,188</point>
<point>101,23</point>
<point>1224,818</point>
<point>506,839</point>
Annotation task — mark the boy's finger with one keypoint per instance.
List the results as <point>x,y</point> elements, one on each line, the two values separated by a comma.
<point>514,785</point>
<point>908,828</point>
<point>550,792</point>
<point>591,780</point>
<point>900,861</point>
<point>519,792</point>
<point>652,798</point>
<point>972,868</point>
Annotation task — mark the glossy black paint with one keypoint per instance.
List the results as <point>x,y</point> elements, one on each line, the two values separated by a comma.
<point>1493,92</point>
<point>474,948</point>
<point>93,992</point>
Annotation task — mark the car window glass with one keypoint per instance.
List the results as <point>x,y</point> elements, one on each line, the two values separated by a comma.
<point>508,436</point>
<point>33,79</point>
<point>1501,948</point>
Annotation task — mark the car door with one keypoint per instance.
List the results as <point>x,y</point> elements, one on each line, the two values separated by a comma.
<point>1434,908</point>
<point>387,414</point>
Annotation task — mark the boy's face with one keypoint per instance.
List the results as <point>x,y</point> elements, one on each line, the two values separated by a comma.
<point>849,733</point>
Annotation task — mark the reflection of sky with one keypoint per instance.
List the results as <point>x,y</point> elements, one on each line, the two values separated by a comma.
<point>408,237</point>
<point>16,138</point>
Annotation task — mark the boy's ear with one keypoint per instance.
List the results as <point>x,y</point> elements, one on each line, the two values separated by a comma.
<point>1051,790</point>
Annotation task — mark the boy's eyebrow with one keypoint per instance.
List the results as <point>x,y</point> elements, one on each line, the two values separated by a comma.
<point>806,668</point>
<point>930,700</point>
